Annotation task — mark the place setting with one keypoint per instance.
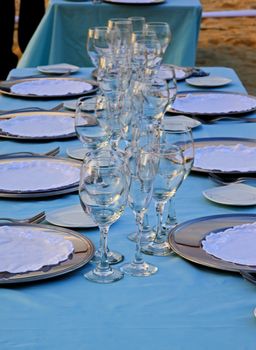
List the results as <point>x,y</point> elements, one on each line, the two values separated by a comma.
<point>25,176</point>
<point>48,88</point>
<point>37,125</point>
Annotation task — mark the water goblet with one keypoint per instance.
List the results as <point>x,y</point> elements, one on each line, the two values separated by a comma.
<point>103,194</point>
<point>142,172</point>
<point>169,175</point>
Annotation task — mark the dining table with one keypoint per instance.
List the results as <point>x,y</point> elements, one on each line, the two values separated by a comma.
<point>184,305</point>
<point>61,35</point>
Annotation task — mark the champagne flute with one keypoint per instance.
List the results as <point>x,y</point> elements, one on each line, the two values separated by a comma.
<point>179,134</point>
<point>142,167</point>
<point>103,194</point>
<point>169,175</point>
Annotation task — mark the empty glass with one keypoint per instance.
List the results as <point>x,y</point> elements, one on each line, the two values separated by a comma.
<point>169,175</point>
<point>163,33</point>
<point>103,194</point>
<point>137,23</point>
<point>142,168</point>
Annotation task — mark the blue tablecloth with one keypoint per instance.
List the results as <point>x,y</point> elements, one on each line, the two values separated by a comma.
<point>61,35</point>
<point>183,306</point>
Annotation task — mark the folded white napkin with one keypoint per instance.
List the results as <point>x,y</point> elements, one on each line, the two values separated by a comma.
<point>50,87</point>
<point>34,175</point>
<point>23,249</point>
<point>38,125</point>
<point>236,244</point>
<point>226,158</point>
<point>214,103</point>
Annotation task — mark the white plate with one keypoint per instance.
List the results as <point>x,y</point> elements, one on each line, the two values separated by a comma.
<point>213,103</point>
<point>60,68</point>
<point>210,81</point>
<point>235,244</point>
<point>87,106</point>
<point>76,153</point>
<point>188,122</point>
<point>45,249</point>
<point>37,125</point>
<point>181,73</point>
<point>228,158</point>
<point>45,88</point>
<point>233,194</point>
<point>72,216</point>
<point>70,104</point>
<point>37,174</point>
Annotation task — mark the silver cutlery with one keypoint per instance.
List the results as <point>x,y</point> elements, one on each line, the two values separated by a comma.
<point>60,73</point>
<point>225,117</point>
<point>249,276</point>
<point>33,219</point>
<point>56,108</point>
<point>53,152</point>
<point>219,180</point>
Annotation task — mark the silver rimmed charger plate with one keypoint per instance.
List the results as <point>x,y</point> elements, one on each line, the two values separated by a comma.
<point>83,252</point>
<point>216,108</point>
<point>58,190</point>
<point>35,138</point>
<point>6,88</point>
<point>226,141</point>
<point>185,239</point>
<point>135,2</point>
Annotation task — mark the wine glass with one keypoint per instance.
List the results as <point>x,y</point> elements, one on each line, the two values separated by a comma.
<point>163,33</point>
<point>138,23</point>
<point>103,192</point>
<point>169,175</point>
<point>179,134</point>
<point>91,50</point>
<point>90,125</point>
<point>142,167</point>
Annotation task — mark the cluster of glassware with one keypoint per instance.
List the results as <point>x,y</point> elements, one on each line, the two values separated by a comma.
<point>129,158</point>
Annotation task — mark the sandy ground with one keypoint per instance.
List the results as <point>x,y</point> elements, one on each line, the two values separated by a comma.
<point>228,42</point>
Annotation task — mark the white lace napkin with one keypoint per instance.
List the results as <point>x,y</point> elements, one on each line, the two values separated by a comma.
<point>23,249</point>
<point>235,244</point>
<point>226,158</point>
<point>39,125</point>
<point>214,103</point>
<point>50,87</point>
<point>34,175</point>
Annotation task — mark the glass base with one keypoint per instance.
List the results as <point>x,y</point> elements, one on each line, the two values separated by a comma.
<point>105,277</point>
<point>139,270</point>
<point>158,249</point>
<point>113,257</point>
<point>147,236</point>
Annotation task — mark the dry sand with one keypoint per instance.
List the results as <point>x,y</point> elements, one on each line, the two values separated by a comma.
<point>228,42</point>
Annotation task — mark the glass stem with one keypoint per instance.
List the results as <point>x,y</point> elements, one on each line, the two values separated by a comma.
<point>103,265</point>
<point>171,219</point>
<point>159,210</point>
<point>138,259</point>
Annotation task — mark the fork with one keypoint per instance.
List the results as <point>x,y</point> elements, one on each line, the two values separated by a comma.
<point>33,219</point>
<point>238,180</point>
<point>33,109</point>
<point>53,152</point>
<point>240,119</point>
